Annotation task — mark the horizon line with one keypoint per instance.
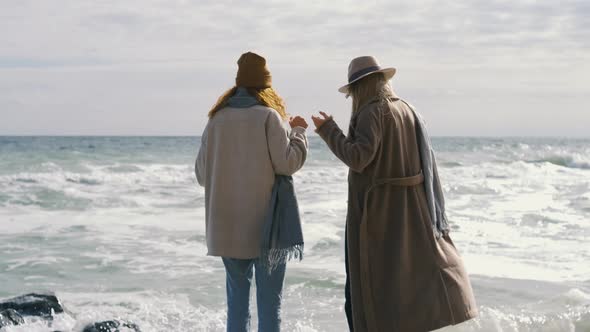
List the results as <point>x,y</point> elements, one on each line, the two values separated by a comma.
<point>313,134</point>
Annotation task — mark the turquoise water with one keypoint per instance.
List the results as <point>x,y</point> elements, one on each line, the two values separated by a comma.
<point>114,225</point>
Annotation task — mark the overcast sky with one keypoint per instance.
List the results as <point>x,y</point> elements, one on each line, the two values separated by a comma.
<point>147,67</point>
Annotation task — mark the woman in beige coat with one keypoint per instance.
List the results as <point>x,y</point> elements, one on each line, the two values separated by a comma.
<point>243,147</point>
<point>402,274</point>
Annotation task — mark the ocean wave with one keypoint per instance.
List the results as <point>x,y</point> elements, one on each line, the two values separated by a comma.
<point>168,311</point>
<point>537,220</point>
<point>25,180</point>
<point>82,180</point>
<point>501,319</point>
<point>574,161</point>
<point>102,186</point>
<point>450,164</point>
<point>51,200</point>
<point>152,312</point>
<point>124,169</point>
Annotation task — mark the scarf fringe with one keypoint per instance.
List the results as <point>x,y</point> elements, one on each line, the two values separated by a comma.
<point>441,229</point>
<point>272,258</point>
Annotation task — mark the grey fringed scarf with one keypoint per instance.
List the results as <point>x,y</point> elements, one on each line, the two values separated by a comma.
<point>282,237</point>
<point>432,186</point>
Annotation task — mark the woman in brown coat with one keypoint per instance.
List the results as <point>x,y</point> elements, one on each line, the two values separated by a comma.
<point>403,271</point>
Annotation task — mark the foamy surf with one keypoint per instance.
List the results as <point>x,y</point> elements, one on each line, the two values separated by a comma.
<point>115,227</point>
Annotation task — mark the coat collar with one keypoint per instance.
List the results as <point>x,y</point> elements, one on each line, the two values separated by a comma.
<point>392,95</point>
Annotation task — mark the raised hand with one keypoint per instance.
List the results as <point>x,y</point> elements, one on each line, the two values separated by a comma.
<point>319,121</point>
<point>297,121</point>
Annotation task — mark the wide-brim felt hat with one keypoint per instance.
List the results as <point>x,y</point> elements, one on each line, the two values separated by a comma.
<point>364,66</point>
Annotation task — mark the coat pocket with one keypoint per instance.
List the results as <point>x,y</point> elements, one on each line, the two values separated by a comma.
<point>446,254</point>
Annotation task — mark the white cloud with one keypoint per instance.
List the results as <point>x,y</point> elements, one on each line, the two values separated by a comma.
<point>179,55</point>
<point>151,30</point>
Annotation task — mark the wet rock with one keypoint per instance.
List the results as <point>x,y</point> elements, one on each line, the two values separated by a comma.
<point>111,326</point>
<point>40,305</point>
<point>45,306</point>
<point>10,317</point>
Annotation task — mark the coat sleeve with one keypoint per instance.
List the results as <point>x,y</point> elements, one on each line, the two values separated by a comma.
<point>201,163</point>
<point>356,151</point>
<point>287,152</point>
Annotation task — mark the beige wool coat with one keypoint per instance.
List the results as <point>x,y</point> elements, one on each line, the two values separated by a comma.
<point>241,151</point>
<point>402,278</point>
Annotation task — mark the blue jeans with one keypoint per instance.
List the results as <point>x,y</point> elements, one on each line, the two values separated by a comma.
<point>269,290</point>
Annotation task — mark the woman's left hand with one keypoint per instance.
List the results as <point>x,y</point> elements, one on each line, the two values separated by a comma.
<point>297,122</point>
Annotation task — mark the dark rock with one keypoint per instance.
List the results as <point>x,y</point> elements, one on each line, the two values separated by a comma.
<point>41,305</point>
<point>10,317</point>
<point>44,306</point>
<point>110,326</point>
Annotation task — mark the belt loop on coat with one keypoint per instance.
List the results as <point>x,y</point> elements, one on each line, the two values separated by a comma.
<point>408,181</point>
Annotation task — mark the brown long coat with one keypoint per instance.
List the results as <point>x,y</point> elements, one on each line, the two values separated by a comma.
<point>402,278</point>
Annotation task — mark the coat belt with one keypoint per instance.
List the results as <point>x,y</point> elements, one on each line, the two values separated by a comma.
<point>407,181</point>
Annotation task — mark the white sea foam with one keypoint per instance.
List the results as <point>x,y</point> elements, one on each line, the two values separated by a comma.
<point>118,231</point>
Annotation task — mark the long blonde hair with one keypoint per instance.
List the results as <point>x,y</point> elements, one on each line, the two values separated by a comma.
<point>267,97</point>
<point>367,88</point>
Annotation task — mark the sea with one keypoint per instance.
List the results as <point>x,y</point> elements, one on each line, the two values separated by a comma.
<point>115,227</point>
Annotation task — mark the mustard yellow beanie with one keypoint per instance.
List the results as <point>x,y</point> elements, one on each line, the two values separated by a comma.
<point>252,72</point>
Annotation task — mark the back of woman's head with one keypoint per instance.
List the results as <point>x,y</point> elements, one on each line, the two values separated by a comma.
<point>367,88</point>
<point>253,74</point>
